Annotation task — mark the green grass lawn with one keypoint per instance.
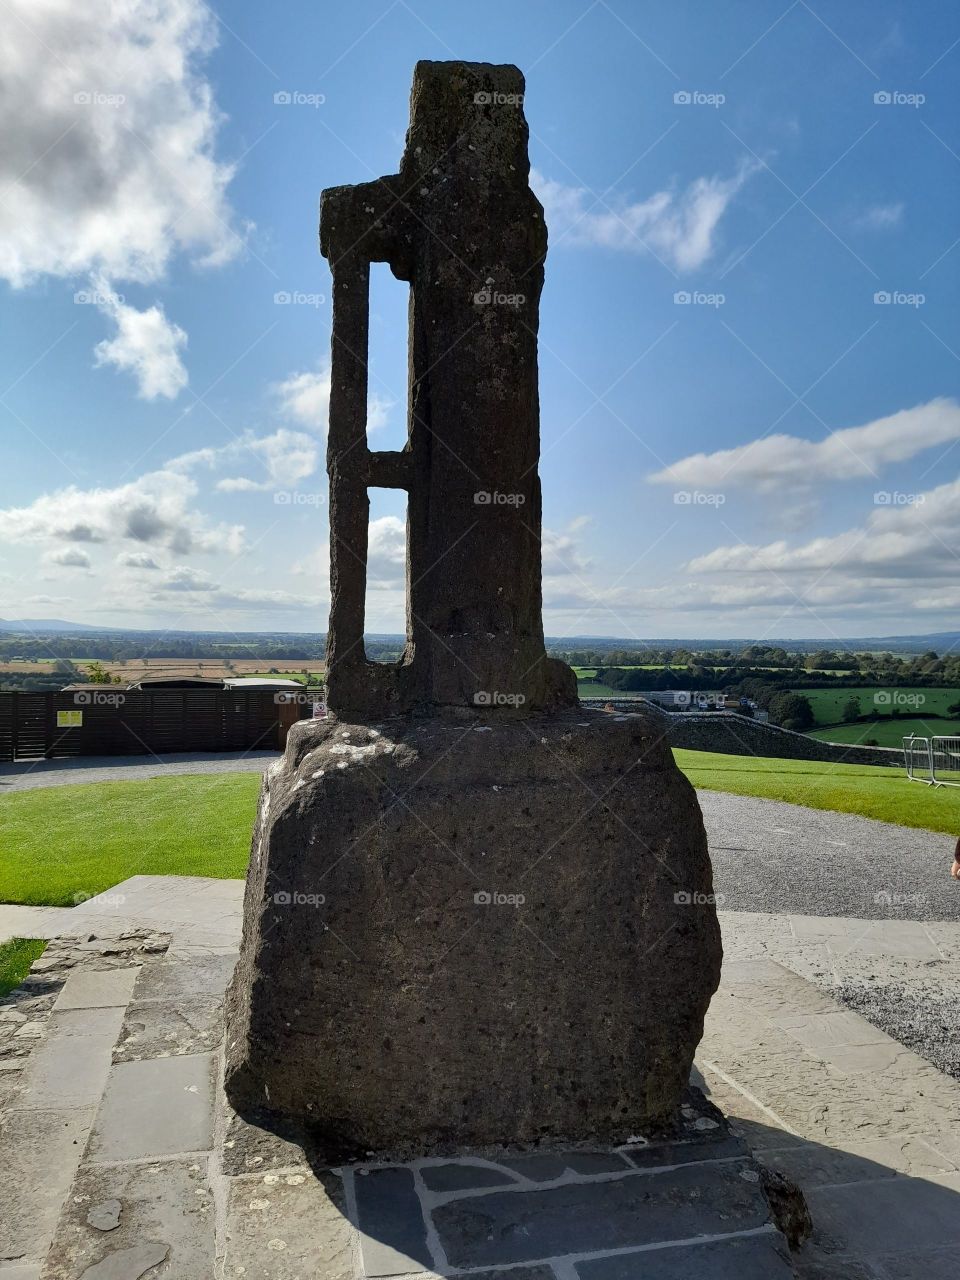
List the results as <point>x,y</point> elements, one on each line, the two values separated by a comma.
<point>591,689</point>
<point>58,842</point>
<point>871,791</point>
<point>828,704</point>
<point>16,957</point>
<point>888,733</point>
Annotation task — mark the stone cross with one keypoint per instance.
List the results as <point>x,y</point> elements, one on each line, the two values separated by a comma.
<point>465,925</point>
<point>461,225</point>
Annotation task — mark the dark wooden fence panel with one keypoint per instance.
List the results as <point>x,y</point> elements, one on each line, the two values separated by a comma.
<point>34,726</point>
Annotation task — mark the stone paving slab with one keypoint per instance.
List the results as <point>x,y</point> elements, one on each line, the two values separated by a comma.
<point>393,1229</point>
<point>172,981</point>
<point>41,1151</point>
<point>68,1071</point>
<point>156,1107</point>
<point>156,1030</point>
<point>32,922</point>
<point>167,1206</point>
<point>814,1165</point>
<point>616,1212</point>
<point>888,1217</point>
<point>288,1227</point>
<point>97,989</point>
<point>550,1165</point>
<point>745,1258</point>
<point>202,912</point>
<point>461,1175</point>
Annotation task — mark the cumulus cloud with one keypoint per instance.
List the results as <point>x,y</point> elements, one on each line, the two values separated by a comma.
<point>913,536</point>
<point>282,458</point>
<point>305,397</point>
<point>184,578</point>
<point>69,558</point>
<point>155,509</point>
<point>386,553</point>
<point>137,560</point>
<point>147,345</point>
<point>678,226</point>
<point>778,462</point>
<point>108,163</point>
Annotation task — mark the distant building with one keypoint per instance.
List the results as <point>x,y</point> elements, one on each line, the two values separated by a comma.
<point>684,700</point>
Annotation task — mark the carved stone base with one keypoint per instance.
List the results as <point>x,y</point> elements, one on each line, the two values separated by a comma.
<point>473,930</point>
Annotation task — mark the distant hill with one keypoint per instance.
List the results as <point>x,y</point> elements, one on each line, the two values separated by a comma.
<point>941,641</point>
<point>45,625</point>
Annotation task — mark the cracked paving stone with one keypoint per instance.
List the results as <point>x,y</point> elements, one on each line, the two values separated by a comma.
<point>128,1264</point>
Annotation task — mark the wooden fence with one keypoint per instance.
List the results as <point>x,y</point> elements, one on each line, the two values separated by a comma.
<point>36,726</point>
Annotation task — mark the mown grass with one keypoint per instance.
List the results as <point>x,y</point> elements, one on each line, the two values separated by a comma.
<point>886,733</point>
<point>870,791</point>
<point>16,957</point>
<point>59,844</point>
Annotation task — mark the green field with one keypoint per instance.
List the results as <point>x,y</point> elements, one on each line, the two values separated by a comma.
<point>828,704</point>
<point>886,733</point>
<point>59,845</point>
<point>590,689</point>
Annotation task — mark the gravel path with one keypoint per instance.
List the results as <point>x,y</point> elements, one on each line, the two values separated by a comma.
<point>27,775</point>
<point>771,856</point>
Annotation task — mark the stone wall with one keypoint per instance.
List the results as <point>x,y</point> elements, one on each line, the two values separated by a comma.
<point>732,734</point>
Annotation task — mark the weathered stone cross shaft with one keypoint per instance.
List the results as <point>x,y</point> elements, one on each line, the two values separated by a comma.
<point>460,223</point>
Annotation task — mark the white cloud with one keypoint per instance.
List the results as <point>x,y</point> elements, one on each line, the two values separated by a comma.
<point>69,558</point>
<point>183,578</point>
<point>881,217</point>
<point>110,127</point>
<point>155,510</point>
<point>387,553</point>
<point>679,227</point>
<point>777,462</point>
<point>914,542</point>
<point>306,398</point>
<point>137,560</point>
<point>148,346</point>
<point>283,458</point>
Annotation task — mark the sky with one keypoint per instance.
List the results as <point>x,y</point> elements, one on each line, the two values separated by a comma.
<point>749,338</point>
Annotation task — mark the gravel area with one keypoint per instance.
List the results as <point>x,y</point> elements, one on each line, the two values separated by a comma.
<point>777,857</point>
<point>921,1010</point>
<point>28,774</point>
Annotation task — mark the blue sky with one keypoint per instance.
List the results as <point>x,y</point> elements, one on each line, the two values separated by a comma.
<point>749,329</point>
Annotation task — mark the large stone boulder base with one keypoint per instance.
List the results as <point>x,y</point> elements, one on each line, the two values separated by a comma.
<point>460,933</point>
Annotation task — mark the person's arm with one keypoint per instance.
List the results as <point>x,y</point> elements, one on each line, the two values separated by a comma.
<point>955,869</point>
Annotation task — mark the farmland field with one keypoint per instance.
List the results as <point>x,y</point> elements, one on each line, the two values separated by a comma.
<point>828,704</point>
<point>136,668</point>
<point>887,733</point>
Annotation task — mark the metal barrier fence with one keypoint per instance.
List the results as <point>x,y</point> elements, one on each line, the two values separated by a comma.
<point>935,761</point>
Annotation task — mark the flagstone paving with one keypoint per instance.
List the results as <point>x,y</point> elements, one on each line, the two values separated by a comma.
<point>115,1098</point>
